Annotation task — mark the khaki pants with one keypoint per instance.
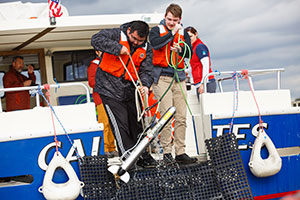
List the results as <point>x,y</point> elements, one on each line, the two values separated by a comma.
<point>109,140</point>
<point>174,97</point>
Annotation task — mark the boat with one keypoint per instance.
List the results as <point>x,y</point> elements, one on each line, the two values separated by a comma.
<point>61,54</point>
<point>239,111</point>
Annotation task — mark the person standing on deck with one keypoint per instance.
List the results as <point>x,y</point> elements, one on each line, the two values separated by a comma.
<point>18,100</point>
<point>164,39</point>
<point>200,63</point>
<point>108,137</point>
<point>114,84</point>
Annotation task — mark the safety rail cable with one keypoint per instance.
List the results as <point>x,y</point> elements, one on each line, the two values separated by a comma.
<point>250,72</point>
<point>15,89</point>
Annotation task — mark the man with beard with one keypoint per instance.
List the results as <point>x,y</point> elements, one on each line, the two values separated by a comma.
<point>115,84</point>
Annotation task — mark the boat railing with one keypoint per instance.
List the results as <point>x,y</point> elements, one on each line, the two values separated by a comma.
<point>250,74</point>
<point>35,90</point>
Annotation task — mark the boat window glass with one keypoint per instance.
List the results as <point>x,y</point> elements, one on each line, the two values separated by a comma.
<point>72,65</point>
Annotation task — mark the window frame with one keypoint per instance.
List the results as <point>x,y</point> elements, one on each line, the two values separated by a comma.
<point>73,62</point>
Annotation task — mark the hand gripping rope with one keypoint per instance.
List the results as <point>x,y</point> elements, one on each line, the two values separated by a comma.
<point>174,66</point>
<point>144,104</point>
<point>137,93</point>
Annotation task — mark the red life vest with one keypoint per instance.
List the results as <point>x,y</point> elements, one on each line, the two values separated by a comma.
<point>91,79</point>
<point>159,56</point>
<point>112,64</point>
<point>197,68</point>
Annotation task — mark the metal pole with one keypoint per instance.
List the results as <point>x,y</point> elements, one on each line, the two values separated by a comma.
<point>37,98</point>
<point>278,80</point>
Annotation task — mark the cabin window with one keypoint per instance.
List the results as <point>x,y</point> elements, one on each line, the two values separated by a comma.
<point>72,65</point>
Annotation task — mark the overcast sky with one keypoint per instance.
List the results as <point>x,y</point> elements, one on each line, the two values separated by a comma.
<point>244,34</point>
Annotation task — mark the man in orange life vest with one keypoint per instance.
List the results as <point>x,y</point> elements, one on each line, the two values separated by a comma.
<point>108,137</point>
<point>13,78</point>
<point>114,84</point>
<point>165,38</point>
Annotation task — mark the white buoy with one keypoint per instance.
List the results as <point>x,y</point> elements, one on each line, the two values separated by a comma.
<point>264,167</point>
<point>60,191</point>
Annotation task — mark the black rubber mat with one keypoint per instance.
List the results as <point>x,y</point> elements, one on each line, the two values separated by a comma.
<point>228,166</point>
<point>222,177</point>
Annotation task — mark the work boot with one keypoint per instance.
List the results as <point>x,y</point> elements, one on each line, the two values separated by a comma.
<point>185,159</point>
<point>146,161</point>
<point>168,159</point>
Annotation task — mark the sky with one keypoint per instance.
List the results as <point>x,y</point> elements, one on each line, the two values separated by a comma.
<point>244,34</point>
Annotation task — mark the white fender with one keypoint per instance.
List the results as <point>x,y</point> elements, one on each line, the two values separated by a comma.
<point>264,167</point>
<point>60,191</point>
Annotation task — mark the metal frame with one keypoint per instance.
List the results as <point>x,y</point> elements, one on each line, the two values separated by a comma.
<point>88,99</point>
<point>250,72</point>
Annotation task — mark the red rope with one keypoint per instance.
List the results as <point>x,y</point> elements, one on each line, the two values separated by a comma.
<point>47,87</point>
<point>245,76</point>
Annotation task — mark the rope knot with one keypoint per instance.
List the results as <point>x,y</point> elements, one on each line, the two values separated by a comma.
<point>245,73</point>
<point>236,75</point>
<point>46,86</point>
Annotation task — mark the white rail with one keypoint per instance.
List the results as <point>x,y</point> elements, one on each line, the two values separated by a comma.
<point>250,73</point>
<point>35,88</point>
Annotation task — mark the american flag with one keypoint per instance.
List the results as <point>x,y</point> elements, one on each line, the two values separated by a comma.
<point>54,8</point>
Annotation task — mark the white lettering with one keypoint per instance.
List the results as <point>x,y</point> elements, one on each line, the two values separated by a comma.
<point>44,154</point>
<point>72,153</point>
<point>42,159</point>
<point>220,129</point>
<point>96,146</point>
<point>256,127</point>
<point>236,131</point>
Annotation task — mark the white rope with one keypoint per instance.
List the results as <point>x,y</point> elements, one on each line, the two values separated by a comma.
<point>137,92</point>
<point>145,103</point>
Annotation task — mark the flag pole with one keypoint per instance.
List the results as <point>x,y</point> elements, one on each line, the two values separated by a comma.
<point>52,20</point>
<point>54,10</point>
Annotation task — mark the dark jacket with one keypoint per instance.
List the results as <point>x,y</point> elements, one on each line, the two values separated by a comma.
<point>158,42</point>
<point>108,85</point>
<point>17,100</point>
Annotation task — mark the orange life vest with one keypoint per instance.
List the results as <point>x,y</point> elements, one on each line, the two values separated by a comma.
<point>159,56</point>
<point>112,64</point>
